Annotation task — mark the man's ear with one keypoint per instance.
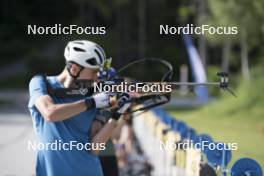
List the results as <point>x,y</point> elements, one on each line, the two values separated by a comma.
<point>74,69</point>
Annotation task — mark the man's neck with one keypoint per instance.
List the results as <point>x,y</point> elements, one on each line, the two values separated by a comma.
<point>65,79</point>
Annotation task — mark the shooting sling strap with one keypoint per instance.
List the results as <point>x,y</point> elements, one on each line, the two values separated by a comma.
<point>79,92</point>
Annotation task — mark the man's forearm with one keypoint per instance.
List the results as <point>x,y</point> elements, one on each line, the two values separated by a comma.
<point>104,134</point>
<point>59,112</point>
<point>117,130</point>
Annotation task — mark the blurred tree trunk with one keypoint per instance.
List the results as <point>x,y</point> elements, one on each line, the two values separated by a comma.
<point>226,55</point>
<point>141,28</point>
<point>82,10</point>
<point>4,9</point>
<point>202,19</point>
<point>86,12</point>
<point>120,18</point>
<point>90,14</point>
<point>244,56</point>
<point>126,31</point>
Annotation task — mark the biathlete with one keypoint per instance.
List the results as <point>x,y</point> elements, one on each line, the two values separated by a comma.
<point>70,120</point>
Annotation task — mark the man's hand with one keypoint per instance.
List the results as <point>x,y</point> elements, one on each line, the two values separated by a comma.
<point>102,100</point>
<point>121,106</point>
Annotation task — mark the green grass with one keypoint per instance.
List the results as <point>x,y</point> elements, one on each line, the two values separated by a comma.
<point>235,120</point>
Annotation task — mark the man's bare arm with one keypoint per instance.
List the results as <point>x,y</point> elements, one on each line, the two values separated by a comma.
<point>104,134</point>
<point>58,112</point>
<point>117,130</point>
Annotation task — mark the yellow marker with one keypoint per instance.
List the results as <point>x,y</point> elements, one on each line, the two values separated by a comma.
<point>107,63</point>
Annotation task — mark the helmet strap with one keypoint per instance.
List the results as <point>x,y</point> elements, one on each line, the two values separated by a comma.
<point>68,67</point>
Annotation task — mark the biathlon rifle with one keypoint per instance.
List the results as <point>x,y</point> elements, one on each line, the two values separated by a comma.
<point>84,88</point>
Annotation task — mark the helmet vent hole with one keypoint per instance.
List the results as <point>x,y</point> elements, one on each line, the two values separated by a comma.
<point>78,49</point>
<point>91,61</point>
<point>99,55</point>
<point>102,51</point>
<point>81,43</point>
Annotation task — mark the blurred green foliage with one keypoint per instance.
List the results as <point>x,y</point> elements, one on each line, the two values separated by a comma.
<point>234,120</point>
<point>127,22</point>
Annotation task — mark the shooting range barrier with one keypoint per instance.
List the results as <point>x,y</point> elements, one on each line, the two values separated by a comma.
<point>160,136</point>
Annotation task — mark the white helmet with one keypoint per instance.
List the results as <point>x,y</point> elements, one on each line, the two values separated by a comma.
<point>85,53</point>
